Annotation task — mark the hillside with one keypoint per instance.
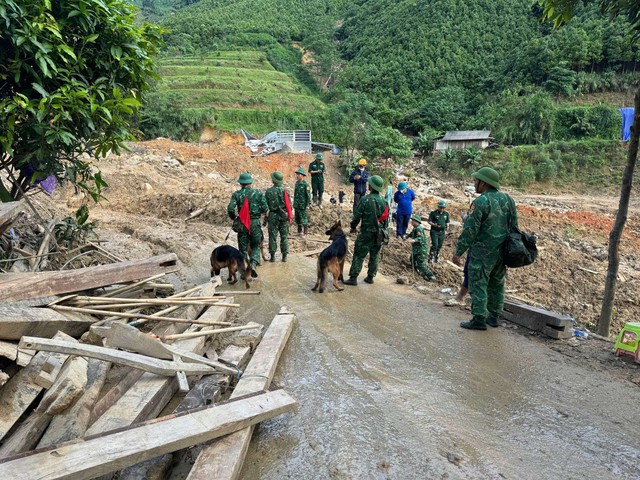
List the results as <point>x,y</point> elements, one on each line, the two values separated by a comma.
<point>229,89</point>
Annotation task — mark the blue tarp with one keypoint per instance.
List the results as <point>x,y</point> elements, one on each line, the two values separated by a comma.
<point>627,121</point>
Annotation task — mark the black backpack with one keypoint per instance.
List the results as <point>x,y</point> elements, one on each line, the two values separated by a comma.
<point>519,248</point>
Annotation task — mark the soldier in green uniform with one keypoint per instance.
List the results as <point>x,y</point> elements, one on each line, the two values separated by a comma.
<point>373,211</point>
<point>420,246</point>
<point>301,200</point>
<point>278,219</point>
<point>257,205</point>
<point>316,169</point>
<point>439,221</point>
<point>484,232</point>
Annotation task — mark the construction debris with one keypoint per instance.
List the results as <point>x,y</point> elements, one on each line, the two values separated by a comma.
<point>551,324</point>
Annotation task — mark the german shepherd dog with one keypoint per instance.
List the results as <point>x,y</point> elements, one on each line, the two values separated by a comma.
<point>332,258</point>
<point>226,256</point>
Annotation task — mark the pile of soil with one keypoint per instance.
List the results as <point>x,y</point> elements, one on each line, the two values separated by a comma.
<point>158,184</point>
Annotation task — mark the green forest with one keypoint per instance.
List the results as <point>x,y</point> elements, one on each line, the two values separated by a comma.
<point>418,68</point>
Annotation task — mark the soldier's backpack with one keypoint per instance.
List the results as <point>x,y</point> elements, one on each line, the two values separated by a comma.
<point>519,249</point>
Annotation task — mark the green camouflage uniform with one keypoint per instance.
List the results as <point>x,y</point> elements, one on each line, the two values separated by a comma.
<point>301,200</point>
<point>437,233</point>
<point>257,206</point>
<point>371,207</point>
<point>484,232</point>
<point>278,220</point>
<point>419,252</point>
<point>317,179</point>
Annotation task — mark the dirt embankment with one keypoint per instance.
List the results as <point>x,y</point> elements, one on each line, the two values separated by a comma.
<point>159,183</point>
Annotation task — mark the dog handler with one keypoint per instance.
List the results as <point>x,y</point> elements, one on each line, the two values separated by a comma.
<point>250,205</point>
<point>279,216</point>
<point>301,200</point>
<point>374,212</point>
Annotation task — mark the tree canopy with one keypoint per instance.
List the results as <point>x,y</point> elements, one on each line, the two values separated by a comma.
<point>72,75</point>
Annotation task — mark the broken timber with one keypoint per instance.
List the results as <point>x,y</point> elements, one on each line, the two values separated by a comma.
<point>23,286</point>
<point>15,322</point>
<point>552,324</point>
<point>102,454</point>
<point>9,211</point>
<point>224,458</point>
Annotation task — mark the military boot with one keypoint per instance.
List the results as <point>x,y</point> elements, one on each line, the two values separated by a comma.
<point>430,260</point>
<point>300,230</point>
<point>492,321</point>
<point>350,281</point>
<point>284,257</point>
<point>476,323</point>
<point>272,258</point>
<point>306,231</point>
<point>254,274</point>
<point>368,279</point>
<point>436,257</point>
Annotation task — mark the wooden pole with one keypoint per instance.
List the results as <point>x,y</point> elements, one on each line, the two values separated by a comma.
<point>208,332</point>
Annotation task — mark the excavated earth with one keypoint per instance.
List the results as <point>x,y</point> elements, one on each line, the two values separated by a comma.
<point>389,386</point>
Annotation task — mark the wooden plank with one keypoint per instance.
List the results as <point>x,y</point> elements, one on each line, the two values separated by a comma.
<point>141,362</point>
<point>552,324</point>
<point>150,393</point>
<point>9,211</point>
<point>20,391</point>
<point>113,395</point>
<point>105,453</point>
<point>67,389</point>
<point>8,350</point>
<point>23,286</point>
<point>224,458</point>
<point>75,421</point>
<point>16,322</point>
<point>236,356</point>
<point>26,436</point>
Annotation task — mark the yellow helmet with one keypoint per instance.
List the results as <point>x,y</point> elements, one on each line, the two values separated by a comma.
<point>362,161</point>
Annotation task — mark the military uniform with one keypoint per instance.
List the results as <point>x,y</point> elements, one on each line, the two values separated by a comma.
<point>371,208</point>
<point>301,200</point>
<point>257,206</point>
<point>278,217</point>
<point>317,179</point>
<point>484,233</point>
<point>437,233</point>
<point>419,250</point>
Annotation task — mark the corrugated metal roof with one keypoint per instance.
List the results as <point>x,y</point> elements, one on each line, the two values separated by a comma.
<point>467,135</point>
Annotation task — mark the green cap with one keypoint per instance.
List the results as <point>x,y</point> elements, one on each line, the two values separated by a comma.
<point>318,156</point>
<point>402,186</point>
<point>489,176</point>
<point>245,178</point>
<point>277,178</point>
<point>376,182</point>
<point>416,217</point>
<point>442,204</point>
<point>301,171</point>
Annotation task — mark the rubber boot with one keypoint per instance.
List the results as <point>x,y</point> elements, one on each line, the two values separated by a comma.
<point>476,323</point>
<point>284,257</point>
<point>254,274</point>
<point>272,257</point>
<point>368,279</point>
<point>300,230</point>
<point>306,231</point>
<point>492,321</point>
<point>351,281</point>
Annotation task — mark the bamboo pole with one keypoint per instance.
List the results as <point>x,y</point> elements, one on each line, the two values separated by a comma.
<point>132,286</point>
<point>205,333</point>
<point>148,301</point>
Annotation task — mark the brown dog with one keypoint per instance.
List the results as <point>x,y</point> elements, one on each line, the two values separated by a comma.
<point>332,258</point>
<point>226,256</point>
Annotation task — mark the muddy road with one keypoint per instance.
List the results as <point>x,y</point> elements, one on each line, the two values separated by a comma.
<point>390,387</point>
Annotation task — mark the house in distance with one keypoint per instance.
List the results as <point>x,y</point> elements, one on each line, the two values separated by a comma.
<point>461,139</point>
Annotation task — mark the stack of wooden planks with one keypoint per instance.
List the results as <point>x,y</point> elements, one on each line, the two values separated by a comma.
<point>81,360</point>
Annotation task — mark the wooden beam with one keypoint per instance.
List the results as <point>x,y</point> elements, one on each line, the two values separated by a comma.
<point>204,333</point>
<point>149,395</point>
<point>552,324</point>
<point>141,362</point>
<point>15,322</point>
<point>67,389</point>
<point>102,454</point>
<point>8,350</point>
<point>224,458</point>
<point>9,211</point>
<point>21,286</point>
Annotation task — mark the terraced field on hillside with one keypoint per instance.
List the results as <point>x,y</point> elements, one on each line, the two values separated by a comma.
<point>241,88</point>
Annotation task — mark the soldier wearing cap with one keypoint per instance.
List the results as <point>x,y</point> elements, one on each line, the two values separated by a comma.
<point>316,169</point>
<point>420,247</point>
<point>257,205</point>
<point>359,177</point>
<point>278,219</point>
<point>484,232</point>
<point>439,221</point>
<point>301,200</point>
<point>373,211</point>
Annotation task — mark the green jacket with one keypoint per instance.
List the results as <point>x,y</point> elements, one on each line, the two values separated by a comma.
<point>421,245</point>
<point>442,219</point>
<point>371,207</point>
<point>316,165</point>
<point>275,198</point>
<point>487,225</point>
<point>257,202</point>
<point>301,195</point>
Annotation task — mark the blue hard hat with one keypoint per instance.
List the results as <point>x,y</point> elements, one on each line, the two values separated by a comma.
<point>402,185</point>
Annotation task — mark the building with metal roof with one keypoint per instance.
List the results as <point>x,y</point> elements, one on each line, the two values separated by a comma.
<point>461,139</point>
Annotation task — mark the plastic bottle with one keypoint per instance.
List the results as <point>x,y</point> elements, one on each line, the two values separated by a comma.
<point>580,333</point>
